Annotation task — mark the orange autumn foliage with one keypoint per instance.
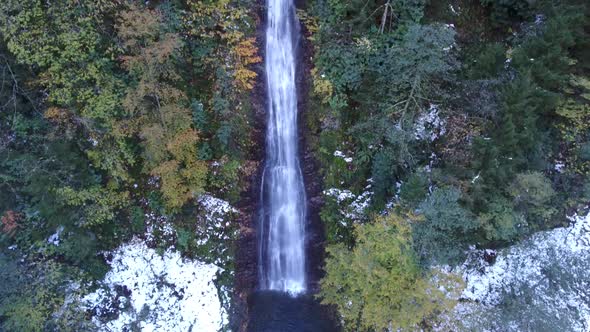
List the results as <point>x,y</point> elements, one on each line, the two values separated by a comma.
<point>226,22</point>
<point>10,222</point>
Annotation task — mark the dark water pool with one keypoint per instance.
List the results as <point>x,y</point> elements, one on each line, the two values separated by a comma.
<point>278,312</point>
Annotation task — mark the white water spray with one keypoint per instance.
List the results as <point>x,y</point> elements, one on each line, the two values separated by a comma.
<point>282,234</point>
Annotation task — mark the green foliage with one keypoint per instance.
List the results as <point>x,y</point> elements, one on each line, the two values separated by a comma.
<point>38,161</point>
<point>514,143</point>
<point>392,126</point>
<point>337,230</point>
<point>376,70</point>
<point>574,126</point>
<point>29,295</point>
<point>75,65</point>
<point>107,110</point>
<point>359,16</point>
<point>489,62</point>
<point>98,205</point>
<point>224,55</point>
<point>499,221</point>
<point>137,219</point>
<point>444,234</point>
<point>548,56</point>
<point>156,107</point>
<point>584,151</point>
<point>415,189</point>
<point>505,12</point>
<point>110,110</point>
<point>533,194</point>
<point>184,239</point>
<point>80,249</point>
<point>383,174</point>
<point>378,285</point>
<point>508,160</point>
<point>531,188</point>
<point>371,82</point>
<point>408,74</point>
<point>225,180</point>
<point>199,115</point>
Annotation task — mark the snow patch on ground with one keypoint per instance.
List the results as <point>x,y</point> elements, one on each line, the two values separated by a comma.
<point>55,237</point>
<point>486,283</point>
<point>158,228</point>
<point>352,207</point>
<point>542,283</point>
<point>429,126</point>
<point>340,154</point>
<point>156,292</point>
<point>559,166</point>
<point>339,194</point>
<point>215,207</point>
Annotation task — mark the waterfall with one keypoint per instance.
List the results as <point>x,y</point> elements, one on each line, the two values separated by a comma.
<point>282,229</point>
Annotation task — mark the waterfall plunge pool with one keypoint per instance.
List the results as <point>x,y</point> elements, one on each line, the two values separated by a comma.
<point>275,311</point>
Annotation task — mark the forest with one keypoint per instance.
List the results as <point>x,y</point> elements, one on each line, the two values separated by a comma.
<point>439,127</point>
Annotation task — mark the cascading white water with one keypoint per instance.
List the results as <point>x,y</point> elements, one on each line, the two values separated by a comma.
<point>282,240</point>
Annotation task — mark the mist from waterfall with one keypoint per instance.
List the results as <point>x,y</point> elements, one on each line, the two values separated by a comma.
<point>282,229</point>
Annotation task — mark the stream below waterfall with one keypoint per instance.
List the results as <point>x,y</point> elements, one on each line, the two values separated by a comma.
<point>272,311</point>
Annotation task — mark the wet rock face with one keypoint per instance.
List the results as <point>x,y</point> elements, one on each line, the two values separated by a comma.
<point>246,272</point>
<point>314,229</point>
<point>246,258</point>
<point>246,276</point>
<point>315,236</point>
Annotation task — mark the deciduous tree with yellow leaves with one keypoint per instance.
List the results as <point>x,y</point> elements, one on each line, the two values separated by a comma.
<point>157,109</point>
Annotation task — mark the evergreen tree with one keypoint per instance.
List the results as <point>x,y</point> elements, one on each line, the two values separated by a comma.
<point>444,234</point>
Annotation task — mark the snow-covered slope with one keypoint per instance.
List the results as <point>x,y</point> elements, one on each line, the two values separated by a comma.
<point>156,292</point>
<point>540,284</point>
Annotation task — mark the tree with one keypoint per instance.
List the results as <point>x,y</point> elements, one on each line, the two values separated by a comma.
<point>29,295</point>
<point>513,145</point>
<point>225,56</point>
<point>489,62</point>
<point>505,12</point>
<point>415,189</point>
<point>97,204</point>
<point>533,194</point>
<point>547,56</point>
<point>499,220</point>
<point>442,237</point>
<point>74,63</point>
<point>574,126</point>
<point>397,83</point>
<point>378,284</point>
<point>158,111</point>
